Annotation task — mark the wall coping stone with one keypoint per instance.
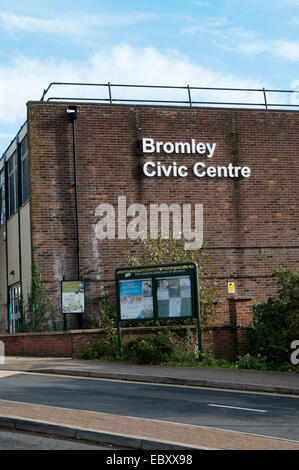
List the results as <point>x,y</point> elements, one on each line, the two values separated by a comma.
<point>132,329</point>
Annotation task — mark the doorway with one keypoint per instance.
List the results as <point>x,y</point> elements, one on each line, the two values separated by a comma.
<point>14,308</point>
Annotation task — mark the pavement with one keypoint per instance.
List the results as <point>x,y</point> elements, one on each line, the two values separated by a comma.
<point>232,379</point>
<point>139,433</point>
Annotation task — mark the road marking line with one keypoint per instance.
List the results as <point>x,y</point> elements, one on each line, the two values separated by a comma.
<point>7,373</point>
<point>238,408</point>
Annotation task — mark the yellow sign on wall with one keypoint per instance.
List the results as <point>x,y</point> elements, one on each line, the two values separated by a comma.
<point>231,287</point>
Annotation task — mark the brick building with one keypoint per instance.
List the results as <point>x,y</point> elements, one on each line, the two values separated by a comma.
<point>241,164</point>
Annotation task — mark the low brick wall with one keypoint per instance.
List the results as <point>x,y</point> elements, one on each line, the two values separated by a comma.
<point>56,344</point>
<point>223,342</point>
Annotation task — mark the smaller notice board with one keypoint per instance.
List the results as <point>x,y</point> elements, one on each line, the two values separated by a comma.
<point>156,294</point>
<point>174,297</point>
<point>136,300</point>
<point>72,297</point>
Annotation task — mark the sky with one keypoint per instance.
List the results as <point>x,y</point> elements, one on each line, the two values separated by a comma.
<point>206,43</point>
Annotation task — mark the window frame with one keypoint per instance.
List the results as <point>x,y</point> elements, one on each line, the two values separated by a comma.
<point>24,158</point>
<point>12,175</point>
<point>2,199</point>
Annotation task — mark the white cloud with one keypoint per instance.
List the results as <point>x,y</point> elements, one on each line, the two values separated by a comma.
<point>271,4</point>
<point>281,49</point>
<point>206,24</point>
<point>6,135</point>
<point>203,4</point>
<point>25,78</point>
<point>13,24</point>
<point>76,23</point>
<point>287,3</point>
<point>238,38</point>
<point>288,50</point>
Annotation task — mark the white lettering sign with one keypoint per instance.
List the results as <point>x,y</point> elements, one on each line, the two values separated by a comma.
<point>150,146</point>
<point>200,169</point>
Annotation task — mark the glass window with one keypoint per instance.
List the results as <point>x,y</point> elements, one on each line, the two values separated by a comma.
<point>25,170</point>
<point>24,147</point>
<point>12,184</point>
<point>14,309</point>
<point>2,198</point>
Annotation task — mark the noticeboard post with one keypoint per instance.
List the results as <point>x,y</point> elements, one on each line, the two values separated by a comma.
<point>72,297</point>
<point>157,292</point>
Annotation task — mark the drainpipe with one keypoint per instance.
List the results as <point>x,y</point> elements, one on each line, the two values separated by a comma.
<point>73,112</point>
<point>6,241</point>
<point>19,196</point>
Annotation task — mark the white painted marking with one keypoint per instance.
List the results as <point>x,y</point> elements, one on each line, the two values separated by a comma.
<point>238,408</point>
<point>7,373</point>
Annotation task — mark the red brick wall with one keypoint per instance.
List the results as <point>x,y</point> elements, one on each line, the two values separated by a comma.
<point>38,344</point>
<point>243,341</point>
<point>249,224</point>
<point>60,344</point>
<point>222,342</point>
<point>244,312</point>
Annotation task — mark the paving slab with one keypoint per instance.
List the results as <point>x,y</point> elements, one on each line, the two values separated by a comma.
<point>138,433</point>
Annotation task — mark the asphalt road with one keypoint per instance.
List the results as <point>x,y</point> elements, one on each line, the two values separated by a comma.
<point>10,440</point>
<point>268,415</point>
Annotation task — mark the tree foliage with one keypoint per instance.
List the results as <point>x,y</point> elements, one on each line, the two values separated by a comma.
<point>171,250</point>
<point>276,322</point>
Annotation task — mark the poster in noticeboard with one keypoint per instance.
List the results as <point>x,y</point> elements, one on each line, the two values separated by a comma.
<point>72,297</point>
<point>136,300</point>
<point>174,297</point>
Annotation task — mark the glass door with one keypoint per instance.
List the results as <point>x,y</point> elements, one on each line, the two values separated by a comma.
<point>14,308</point>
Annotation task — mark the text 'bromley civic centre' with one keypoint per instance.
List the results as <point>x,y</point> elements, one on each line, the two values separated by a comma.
<point>200,169</point>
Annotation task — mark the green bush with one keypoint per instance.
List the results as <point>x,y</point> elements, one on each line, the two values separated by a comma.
<point>107,346</point>
<point>154,349</point>
<point>183,356</point>
<point>104,348</point>
<point>276,323</point>
<point>261,363</point>
<point>206,359</point>
<point>252,362</point>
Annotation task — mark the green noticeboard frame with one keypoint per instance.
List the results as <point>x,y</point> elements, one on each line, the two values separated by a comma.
<point>157,292</point>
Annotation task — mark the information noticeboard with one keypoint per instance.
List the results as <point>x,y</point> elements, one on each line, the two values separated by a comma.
<point>174,297</point>
<point>136,300</point>
<point>72,297</point>
<point>156,294</point>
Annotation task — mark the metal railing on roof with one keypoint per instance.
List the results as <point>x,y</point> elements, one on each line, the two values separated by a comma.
<point>193,95</point>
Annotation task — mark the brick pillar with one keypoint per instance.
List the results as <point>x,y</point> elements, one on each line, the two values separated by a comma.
<point>243,312</point>
<point>240,313</point>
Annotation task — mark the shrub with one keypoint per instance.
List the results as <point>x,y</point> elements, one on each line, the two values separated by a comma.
<point>39,313</point>
<point>183,356</point>
<point>206,359</point>
<point>105,348</point>
<point>276,322</point>
<point>104,316</point>
<point>154,349</point>
<point>252,362</point>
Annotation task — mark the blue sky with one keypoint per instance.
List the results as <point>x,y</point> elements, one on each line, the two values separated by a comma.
<point>220,43</point>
